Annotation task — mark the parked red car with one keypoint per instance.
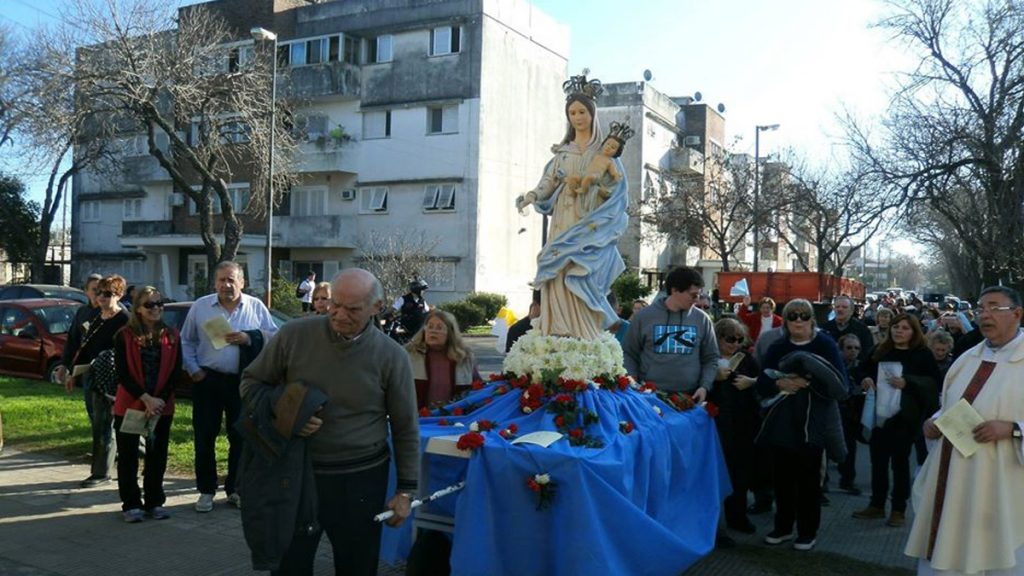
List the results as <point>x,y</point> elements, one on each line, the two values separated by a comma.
<point>33,333</point>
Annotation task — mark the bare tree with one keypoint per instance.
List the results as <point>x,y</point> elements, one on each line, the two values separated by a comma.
<point>713,211</point>
<point>396,258</point>
<point>186,86</point>
<point>836,214</point>
<point>953,138</point>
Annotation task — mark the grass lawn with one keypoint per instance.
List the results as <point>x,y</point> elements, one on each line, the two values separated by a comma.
<point>40,417</point>
<point>484,330</point>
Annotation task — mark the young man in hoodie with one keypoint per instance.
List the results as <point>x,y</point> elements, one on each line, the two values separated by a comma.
<point>672,343</point>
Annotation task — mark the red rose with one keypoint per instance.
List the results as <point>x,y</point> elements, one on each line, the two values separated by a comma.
<point>457,411</point>
<point>442,422</point>
<point>485,425</point>
<point>648,387</point>
<point>424,412</point>
<point>495,377</point>
<point>576,433</point>
<point>477,384</point>
<point>564,399</point>
<point>559,421</point>
<point>470,441</point>
<point>501,390</point>
<point>712,409</point>
<point>623,382</point>
<point>533,484</point>
<point>522,381</point>
<point>599,380</point>
<point>626,427</point>
<point>513,428</point>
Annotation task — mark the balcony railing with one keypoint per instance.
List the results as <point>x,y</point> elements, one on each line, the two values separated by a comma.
<point>687,161</point>
<point>146,228</point>
<point>329,79</point>
<point>334,231</point>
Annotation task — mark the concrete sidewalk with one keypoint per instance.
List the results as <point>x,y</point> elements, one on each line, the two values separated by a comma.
<point>51,527</point>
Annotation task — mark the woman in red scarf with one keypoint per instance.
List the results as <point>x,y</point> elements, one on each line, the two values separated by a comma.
<point>761,321</point>
<point>147,353</point>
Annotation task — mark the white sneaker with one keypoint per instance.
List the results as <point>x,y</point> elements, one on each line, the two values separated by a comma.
<point>205,503</point>
<point>235,500</point>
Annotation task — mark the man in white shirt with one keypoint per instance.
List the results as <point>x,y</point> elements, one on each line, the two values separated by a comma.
<point>216,371</point>
<point>306,289</point>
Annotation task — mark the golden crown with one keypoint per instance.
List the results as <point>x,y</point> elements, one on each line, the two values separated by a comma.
<point>580,85</point>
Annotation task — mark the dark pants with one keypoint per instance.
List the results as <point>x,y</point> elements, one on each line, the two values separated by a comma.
<point>103,453</point>
<point>215,396</point>
<point>156,464</point>
<point>890,446</point>
<point>88,397</point>
<point>347,504</point>
<point>798,490</point>
<point>851,432</point>
<point>738,449</point>
<point>762,476</point>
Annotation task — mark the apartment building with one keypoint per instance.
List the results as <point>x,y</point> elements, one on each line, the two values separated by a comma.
<point>420,121</point>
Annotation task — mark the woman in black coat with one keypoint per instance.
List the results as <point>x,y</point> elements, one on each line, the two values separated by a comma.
<point>908,366</point>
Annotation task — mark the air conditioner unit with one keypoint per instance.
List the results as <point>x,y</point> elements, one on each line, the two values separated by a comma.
<point>691,141</point>
<point>177,199</point>
<point>349,194</point>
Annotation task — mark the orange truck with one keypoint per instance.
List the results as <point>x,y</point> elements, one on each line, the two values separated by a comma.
<point>785,286</point>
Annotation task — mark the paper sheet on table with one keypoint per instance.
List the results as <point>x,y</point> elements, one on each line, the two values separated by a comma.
<point>957,424</point>
<point>740,288</point>
<point>217,328</point>
<point>80,369</point>
<point>887,402</point>
<point>543,438</point>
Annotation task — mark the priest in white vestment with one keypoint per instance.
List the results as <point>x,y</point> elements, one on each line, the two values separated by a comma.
<point>976,524</point>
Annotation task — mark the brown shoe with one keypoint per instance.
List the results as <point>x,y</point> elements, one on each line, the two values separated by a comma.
<point>896,519</point>
<point>871,513</point>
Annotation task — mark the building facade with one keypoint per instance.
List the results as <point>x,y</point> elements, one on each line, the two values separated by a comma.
<point>419,124</point>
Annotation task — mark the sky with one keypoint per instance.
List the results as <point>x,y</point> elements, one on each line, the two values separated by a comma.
<point>796,63</point>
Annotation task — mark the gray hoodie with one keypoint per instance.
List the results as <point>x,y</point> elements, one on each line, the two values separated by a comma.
<point>677,351</point>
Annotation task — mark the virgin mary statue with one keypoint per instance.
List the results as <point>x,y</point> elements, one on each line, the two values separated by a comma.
<point>577,266</point>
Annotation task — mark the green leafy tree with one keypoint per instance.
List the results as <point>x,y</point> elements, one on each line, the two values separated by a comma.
<point>19,221</point>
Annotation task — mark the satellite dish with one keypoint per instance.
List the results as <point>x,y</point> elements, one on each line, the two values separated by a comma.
<point>648,76</point>
<point>697,96</point>
<point>721,108</point>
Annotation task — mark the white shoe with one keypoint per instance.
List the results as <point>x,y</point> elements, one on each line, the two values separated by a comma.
<point>205,503</point>
<point>235,500</point>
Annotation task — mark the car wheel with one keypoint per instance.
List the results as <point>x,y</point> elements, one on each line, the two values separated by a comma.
<point>51,370</point>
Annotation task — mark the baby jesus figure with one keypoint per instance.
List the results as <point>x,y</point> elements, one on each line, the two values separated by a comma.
<point>600,176</point>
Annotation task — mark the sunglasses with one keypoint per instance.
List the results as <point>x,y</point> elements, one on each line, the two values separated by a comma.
<point>107,293</point>
<point>151,305</point>
<point>801,316</point>
<point>733,339</point>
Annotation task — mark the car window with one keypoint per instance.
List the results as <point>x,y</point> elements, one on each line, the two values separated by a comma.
<point>11,293</point>
<point>58,319</point>
<point>175,317</point>
<point>13,321</point>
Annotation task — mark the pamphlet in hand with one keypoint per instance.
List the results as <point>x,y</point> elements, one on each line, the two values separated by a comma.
<point>136,422</point>
<point>957,424</point>
<point>217,328</point>
<point>888,398</point>
<point>80,369</point>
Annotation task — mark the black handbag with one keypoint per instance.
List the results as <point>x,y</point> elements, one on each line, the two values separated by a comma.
<point>103,373</point>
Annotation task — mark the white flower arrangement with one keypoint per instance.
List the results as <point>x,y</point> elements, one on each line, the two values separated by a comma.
<point>571,358</point>
<point>541,478</point>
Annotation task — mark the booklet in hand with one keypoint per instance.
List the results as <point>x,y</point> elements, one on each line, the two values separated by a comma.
<point>136,422</point>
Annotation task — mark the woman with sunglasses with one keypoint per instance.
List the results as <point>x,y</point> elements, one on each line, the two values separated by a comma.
<point>322,299</point>
<point>737,418</point>
<point>891,439</point>
<point>147,353</point>
<point>801,423</point>
<point>99,336</point>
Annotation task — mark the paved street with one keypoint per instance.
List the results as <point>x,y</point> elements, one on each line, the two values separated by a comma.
<point>50,527</point>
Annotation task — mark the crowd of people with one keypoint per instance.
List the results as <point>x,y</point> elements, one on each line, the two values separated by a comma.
<point>791,396</point>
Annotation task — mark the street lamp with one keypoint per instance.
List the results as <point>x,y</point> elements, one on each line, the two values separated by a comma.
<point>263,35</point>
<point>757,185</point>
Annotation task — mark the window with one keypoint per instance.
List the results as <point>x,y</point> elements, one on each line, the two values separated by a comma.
<point>298,54</point>
<point>133,270</point>
<point>439,197</point>
<point>440,276</point>
<point>379,49</point>
<point>374,200</point>
<point>376,124</point>
<point>238,194</point>
<point>445,40</point>
<point>306,202</point>
<point>132,208</point>
<point>316,51</point>
<point>442,119</point>
<point>90,211</point>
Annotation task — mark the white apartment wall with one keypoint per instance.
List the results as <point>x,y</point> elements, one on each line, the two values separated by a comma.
<point>521,116</point>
